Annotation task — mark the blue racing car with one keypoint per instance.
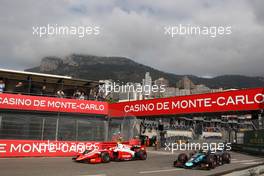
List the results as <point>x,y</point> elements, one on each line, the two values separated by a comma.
<point>202,160</point>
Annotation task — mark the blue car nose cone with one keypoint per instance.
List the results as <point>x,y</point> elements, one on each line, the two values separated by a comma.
<point>189,164</point>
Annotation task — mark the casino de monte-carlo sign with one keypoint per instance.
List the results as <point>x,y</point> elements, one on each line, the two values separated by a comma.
<point>235,100</point>
<point>51,104</point>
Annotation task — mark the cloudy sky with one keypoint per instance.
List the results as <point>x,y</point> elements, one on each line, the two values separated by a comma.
<point>135,29</point>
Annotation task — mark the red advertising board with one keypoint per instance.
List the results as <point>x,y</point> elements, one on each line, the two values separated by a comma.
<point>35,148</point>
<point>21,148</point>
<point>40,103</point>
<point>236,100</point>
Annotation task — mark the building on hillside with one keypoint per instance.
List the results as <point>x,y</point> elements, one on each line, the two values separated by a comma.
<point>185,83</point>
<point>162,84</point>
<point>162,81</point>
<point>131,92</point>
<point>147,84</point>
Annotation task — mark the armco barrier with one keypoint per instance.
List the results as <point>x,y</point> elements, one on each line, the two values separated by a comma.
<point>249,148</point>
<point>258,170</point>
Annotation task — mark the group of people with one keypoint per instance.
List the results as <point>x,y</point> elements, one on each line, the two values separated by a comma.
<point>76,95</point>
<point>20,88</point>
<point>2,86</point>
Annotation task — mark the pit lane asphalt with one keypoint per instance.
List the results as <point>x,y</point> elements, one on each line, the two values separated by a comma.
<point>158,163</point>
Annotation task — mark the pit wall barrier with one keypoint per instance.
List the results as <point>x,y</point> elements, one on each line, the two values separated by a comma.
<point>249,149</point>
<point>253,143</point>
<point>38,148</point>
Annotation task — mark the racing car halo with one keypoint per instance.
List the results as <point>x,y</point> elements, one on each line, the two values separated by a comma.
<point>120,152</point>
<point>202,160</point>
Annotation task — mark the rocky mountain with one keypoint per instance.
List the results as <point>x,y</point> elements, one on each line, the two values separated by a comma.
<point>126,70</point>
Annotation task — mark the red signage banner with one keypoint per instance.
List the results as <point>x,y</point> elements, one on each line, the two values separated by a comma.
<point>35,148</point>
<point>25,148</point>
<point>40,103</point>
<point>235,100</point>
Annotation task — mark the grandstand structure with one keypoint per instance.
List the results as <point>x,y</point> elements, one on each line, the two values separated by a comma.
<point>35,123</point>
<point>33,83</point>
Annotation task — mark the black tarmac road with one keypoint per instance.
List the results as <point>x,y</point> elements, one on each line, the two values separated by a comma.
<point>158,163</point>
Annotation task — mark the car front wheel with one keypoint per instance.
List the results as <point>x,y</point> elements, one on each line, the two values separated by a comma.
<point>105,157</point>
<point>142,155</point>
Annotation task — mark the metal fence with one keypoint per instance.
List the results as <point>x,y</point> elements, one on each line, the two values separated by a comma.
<point>52,126</point>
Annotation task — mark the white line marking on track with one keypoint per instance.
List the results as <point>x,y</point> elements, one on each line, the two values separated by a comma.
<point>160,152</point>
<point>156,171</point>
<point>250,163</point>
<point>246,161</point>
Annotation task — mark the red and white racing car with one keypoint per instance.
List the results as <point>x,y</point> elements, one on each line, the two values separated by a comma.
<point>118,153</point>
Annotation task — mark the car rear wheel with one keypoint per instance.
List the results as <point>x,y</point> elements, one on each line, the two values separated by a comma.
<point>211,161</point>
<point>226,158</point>
<point>220,160</point>
<point>191,154</point>
<point>142,155</point>
<point>105,157</point>
<point>182,158</point>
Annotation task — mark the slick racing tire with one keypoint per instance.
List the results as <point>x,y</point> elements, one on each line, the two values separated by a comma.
<point>191,154</point>
<point>178,164</point>
<point>142,155</point>
<point>105,157</point>
<point>211,161</point>
<point>220,160</point>
<point>182,158</point>
<point>116,156</point>
<point>226,157</point>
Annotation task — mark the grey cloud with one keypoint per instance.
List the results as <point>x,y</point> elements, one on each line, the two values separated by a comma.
<point>257,6</point>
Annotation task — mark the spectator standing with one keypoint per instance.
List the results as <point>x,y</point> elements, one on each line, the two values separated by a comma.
<point>77,94</point>
<point>44,90</point>
<point>19,88</point>
<point>60,94</point>
<point>82,96</point>
<point>2,86</point>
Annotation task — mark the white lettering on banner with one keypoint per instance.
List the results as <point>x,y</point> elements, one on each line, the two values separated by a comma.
<point>51,147</point>
<point>241,99</point>
<point>206,102</point>
<point>58,104</point>
<point>14,148</point>
<point>80,147</point>
<point>15,101</point>
<point>2,148</point>
<point>259,96</point>
<point>139,107</point>
<point>197,103</point>
<point>39,103</point>
<point>220,101</point>
<point>163,106</point>
<point>237,100</point>
<point>27,148</point>
<point>91,107</point>
<point>54,104</point>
